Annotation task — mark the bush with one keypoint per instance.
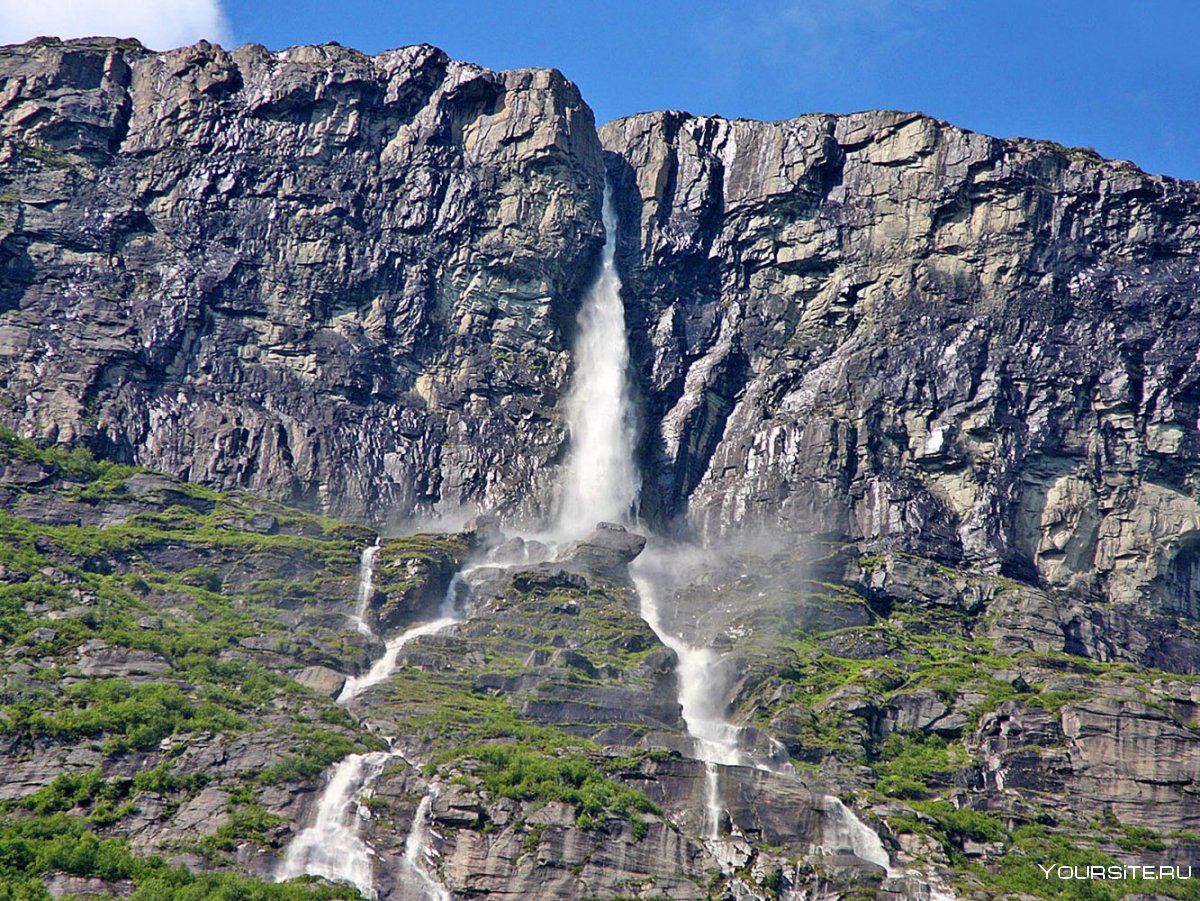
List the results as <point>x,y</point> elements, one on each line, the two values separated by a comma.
<point>910,761</point>
<point>132,716</point>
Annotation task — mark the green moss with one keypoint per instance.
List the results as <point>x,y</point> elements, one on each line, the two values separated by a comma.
<point>47,156</point>
<point>959,823</point>
<point>317,748</point>
<point>1054,701</point>
<point>510,756</point>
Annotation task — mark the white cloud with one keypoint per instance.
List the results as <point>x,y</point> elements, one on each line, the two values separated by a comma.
<point>159,24</point>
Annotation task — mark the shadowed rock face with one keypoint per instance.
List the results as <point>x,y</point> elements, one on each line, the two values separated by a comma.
<point>332,278</point>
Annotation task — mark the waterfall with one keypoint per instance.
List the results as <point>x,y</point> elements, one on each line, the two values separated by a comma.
<point>382,668</point>
<point>417,852</point>
<point>366,582</point>
<point>331,846</point>
<point>698,678</point>
<point>601,481</point>
<point>844,831</point>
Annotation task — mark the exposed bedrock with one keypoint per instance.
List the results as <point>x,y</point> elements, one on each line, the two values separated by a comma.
<point>350,282</point>
<point>336,279</point>
<point>882,327</point>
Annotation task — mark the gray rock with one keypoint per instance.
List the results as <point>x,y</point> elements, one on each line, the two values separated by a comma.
<point>606,551</point>
<point>328,274</point>
<point>101,660</point>
<point>321,679</point>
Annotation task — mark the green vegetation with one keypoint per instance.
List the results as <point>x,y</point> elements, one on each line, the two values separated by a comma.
<point>47,156</point>
<point>1031,845</point>
<point>132,716</point>
<point>534,774</point>
<point>910,762</point>
<point>318,749</point>
<point>32,847</point>
<point>511,757</point>
<point>177,587</point>
<point>250,822</point>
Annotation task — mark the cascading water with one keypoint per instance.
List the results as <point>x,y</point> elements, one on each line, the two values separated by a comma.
<point>366,581</point>
<point>382,668</point>
<point>417,853</point>
<point>332,847</point>
<point>601,481</point>
<point>845,831</point>
<point>716,739</point>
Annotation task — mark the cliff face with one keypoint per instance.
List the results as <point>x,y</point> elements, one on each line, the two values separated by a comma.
<point>349,282</point>
<point>336,279</point>
<point>946,385</point>
<point>882,327</point>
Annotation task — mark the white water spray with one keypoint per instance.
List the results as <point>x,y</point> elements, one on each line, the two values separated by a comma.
<point>331,846</point>
<point>601,480</point>
<point>846,832</point>
<point>419,852</point>
<point>700,682</point>
<point>697,676</point>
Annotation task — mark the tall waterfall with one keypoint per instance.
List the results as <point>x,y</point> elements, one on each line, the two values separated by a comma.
<point>601,480</point>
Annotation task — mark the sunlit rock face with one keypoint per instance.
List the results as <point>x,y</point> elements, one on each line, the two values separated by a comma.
<point>337,279</point>
<point>810,462</point>
<point>353,282</point>
<point>882,327</point>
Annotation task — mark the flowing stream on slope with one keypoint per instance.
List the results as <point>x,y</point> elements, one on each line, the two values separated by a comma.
<point>602,482</point>
<point>332,846</point>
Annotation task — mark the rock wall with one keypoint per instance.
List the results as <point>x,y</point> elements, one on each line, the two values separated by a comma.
<point>350,283</point>
<point>337,279</point>
<point>882,327</point>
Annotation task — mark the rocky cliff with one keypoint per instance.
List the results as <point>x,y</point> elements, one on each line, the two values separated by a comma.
<point>882,327</point>
<point>925,400</point>
<point>336,279</point>
<point>349,282</point>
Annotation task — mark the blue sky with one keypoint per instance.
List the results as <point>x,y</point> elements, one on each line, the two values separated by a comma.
<point>1123,77</point>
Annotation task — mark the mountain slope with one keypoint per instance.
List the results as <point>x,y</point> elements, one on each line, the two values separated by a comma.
<point>918,459</point>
